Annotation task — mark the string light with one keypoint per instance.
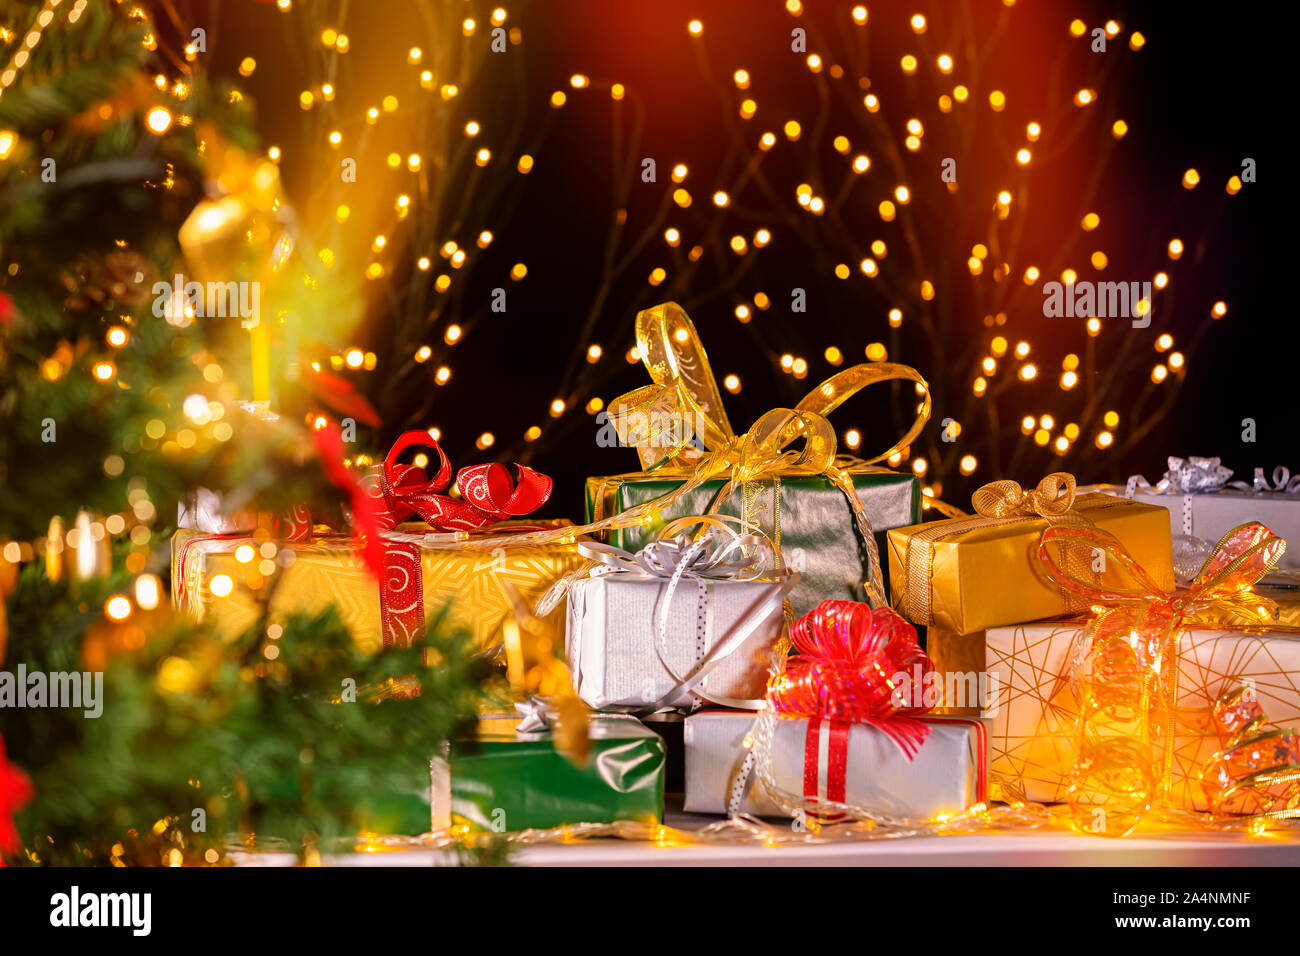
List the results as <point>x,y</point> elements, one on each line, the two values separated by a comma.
<point>988,261</point>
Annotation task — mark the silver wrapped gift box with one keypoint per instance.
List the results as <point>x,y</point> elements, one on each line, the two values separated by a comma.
<point>1204,505</point>
<point>613,640</point>
<point>946,776</point>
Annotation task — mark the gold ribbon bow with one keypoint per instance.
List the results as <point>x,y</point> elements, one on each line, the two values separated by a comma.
<point>678,424</point>
<point>662,420</point>
<point>1126,669</point>
<point>1053,498</point>
<point>679,428</point>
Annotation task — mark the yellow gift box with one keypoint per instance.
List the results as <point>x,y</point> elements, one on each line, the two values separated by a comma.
<point>328,570</point>
<point>968,574</point>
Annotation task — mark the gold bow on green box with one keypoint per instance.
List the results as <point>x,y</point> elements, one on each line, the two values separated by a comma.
<point>821,509</point>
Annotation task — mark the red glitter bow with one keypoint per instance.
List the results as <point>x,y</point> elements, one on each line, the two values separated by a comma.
<point>489,493</point>
<point>857,665</point>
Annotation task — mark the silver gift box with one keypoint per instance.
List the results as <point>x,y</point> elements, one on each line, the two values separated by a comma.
<point>1211,515</point>
<point>945,776</point>
<point>613,630</point>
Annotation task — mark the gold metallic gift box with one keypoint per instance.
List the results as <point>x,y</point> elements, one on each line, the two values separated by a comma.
<point>327,570</point>
<point>968,574</point>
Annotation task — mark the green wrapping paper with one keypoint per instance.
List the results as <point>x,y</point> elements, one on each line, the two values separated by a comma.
<point>508,781</point>
<point>813,525</point>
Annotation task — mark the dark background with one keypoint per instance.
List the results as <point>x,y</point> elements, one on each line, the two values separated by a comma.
<point>1202,93</point>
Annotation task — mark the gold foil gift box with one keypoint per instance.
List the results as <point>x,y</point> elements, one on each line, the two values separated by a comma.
<point>211,578</point>
<point>967,574</point>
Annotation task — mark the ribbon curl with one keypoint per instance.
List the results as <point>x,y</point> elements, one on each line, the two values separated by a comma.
<point>1125,668</point>
<point>1198,476</point>
<point>718,552</point>
<point>1256,772</point>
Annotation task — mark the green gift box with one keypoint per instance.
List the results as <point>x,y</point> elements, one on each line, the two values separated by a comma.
<point>506,780</point>
<point>806,515</point>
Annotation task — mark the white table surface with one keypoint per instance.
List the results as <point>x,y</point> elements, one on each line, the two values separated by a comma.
<point>1030,848</point>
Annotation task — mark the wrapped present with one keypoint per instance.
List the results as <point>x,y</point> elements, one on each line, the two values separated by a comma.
<point>968,574</point>
<point>508,779</point>
<point>823,513</point>
<point>854,763</point>
<point>680,622</point>
<point>385,579</point>
<point>207,512</point>
<point>210,581</point>
<point>1032,726</point>
<point>1113,713</point>
<point>809,517</point>
<point>841,733</point>
<point>1204,505</point>
<point>961,685</point>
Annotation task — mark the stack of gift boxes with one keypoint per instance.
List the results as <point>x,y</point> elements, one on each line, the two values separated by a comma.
<point>671,639</point>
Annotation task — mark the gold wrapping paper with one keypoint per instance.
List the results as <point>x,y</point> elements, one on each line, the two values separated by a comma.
<point>955,657</point>
<point>968,574</point>
<point>328,571</point>
<point>1032,733</point>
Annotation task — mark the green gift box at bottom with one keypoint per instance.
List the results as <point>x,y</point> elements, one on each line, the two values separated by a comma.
<point>508,781</point>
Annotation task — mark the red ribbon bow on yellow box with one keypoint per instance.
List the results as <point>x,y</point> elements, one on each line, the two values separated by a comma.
<point>489,493</point>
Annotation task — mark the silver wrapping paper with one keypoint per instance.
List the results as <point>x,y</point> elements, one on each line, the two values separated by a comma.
<point>204,513</point>
<point>1210,516</point>
<point>612,632</point>
<point>813,525</point>
<point>944,777</point>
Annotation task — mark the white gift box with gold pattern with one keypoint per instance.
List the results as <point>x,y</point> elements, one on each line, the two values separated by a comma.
<point>1032,728</point>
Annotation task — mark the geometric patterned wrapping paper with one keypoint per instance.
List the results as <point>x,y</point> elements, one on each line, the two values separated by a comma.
<point>945,776</point>
<point>1032,730</point>
<point>808,518</point>
<point>327,570</point>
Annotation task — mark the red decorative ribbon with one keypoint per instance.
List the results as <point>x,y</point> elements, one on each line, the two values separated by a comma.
<point>828,780</point>
<point>848,668</point>
<point>490,493</point>
<point>392,493</point>
<point>836,765</point>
